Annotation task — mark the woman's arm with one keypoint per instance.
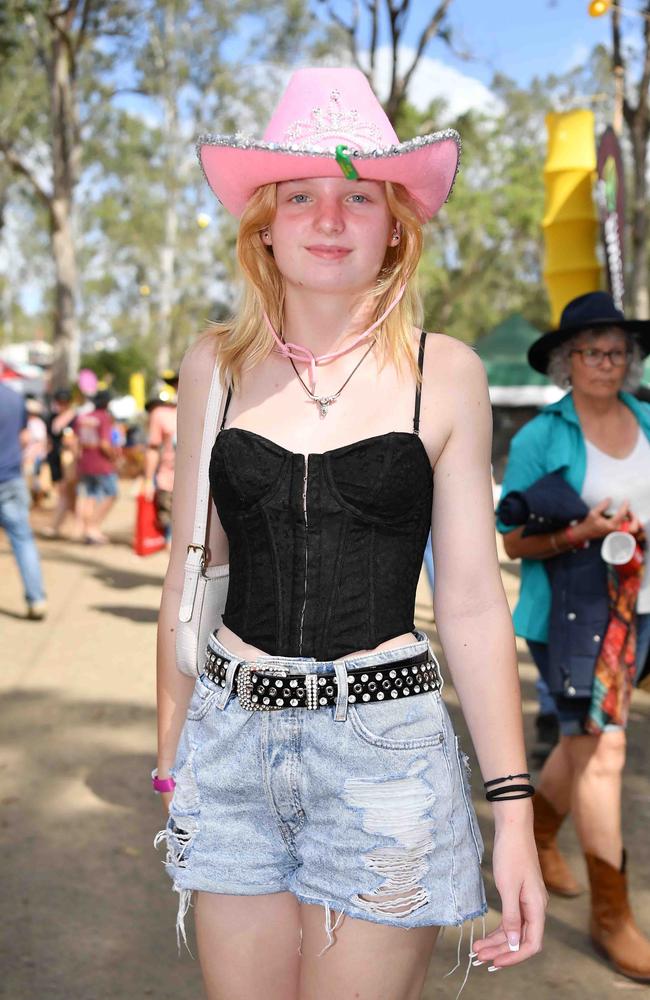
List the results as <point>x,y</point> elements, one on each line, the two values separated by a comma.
<point>595,525</point>
<point>174,689</point>
<point>475,627</point>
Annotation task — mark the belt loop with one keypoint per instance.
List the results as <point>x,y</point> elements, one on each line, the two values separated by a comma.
<point>434,661</point>
<point>224,694</point>
<point>341,711</point>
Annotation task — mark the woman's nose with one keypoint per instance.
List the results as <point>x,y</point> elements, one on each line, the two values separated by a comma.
<point>330,218</point>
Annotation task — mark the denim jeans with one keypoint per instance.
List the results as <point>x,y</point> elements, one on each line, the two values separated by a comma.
<point>14,518</point>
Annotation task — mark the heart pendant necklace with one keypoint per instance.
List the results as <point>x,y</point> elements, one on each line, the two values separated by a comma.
<point>324,402</point>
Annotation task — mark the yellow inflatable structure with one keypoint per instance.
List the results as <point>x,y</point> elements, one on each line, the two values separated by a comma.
<point>571,226</point>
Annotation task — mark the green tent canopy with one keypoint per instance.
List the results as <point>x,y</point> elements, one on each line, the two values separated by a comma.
<point>512,381</point>
<point>503,352</point>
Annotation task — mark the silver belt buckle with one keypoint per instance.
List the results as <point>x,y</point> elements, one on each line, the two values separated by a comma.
<point>245,685</point>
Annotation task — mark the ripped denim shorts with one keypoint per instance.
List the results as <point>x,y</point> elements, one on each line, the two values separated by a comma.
<point>369,815</point>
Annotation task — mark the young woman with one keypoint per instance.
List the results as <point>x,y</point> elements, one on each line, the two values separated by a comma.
<point>329,836</point>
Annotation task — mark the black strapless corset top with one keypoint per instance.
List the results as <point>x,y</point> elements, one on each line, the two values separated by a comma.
<point>325,551</point>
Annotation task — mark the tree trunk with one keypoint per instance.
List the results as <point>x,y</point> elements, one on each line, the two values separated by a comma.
<point>167,285</point>
<point>65,160</point>
<point>172,159</point>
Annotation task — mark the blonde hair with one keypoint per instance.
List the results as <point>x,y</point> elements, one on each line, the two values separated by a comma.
<point>245,340</point>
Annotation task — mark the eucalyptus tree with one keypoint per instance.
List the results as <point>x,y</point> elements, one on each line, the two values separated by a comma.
<point>203,64</point>
<point>369,26</point>
<point>483,253</point>
<point>46,49</point>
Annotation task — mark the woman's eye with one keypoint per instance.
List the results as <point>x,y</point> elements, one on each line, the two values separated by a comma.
<point>299,199</point>
<point>358,199</point>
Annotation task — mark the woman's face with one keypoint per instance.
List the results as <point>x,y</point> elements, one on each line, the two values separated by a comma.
<point>595,373</point>
<point>330,234</point>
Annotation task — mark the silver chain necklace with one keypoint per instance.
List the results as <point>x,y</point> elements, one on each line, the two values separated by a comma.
<point>324,402</point>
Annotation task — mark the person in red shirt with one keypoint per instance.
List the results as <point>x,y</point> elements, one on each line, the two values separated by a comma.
<point>98,481</point>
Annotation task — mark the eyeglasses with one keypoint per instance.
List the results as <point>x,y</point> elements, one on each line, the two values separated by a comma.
<point>593,357</point>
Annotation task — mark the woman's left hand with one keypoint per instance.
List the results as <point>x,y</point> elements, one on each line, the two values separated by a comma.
<point>523,901</point>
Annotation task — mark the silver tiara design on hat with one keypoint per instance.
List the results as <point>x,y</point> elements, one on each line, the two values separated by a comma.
<point>331,125</point>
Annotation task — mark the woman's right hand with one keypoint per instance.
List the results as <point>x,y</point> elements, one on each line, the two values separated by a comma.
<point>597,525</point>
<point>166,801</point>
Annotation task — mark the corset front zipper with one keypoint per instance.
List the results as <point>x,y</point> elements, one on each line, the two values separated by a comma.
<point>304,514</point>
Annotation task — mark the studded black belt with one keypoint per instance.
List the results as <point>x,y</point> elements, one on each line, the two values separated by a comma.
<point>265,689</point>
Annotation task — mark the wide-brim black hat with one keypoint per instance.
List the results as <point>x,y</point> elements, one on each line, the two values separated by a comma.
<point>587,312</point>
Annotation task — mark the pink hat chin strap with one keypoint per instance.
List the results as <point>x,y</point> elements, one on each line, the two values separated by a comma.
<point>300,353</point>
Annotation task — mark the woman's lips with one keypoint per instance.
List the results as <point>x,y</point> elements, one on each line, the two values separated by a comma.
<point>327,252</point>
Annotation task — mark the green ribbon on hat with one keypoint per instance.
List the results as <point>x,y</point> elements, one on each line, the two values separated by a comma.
<point>345,163</point>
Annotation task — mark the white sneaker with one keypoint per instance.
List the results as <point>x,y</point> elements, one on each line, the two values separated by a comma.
<point>37,610</point>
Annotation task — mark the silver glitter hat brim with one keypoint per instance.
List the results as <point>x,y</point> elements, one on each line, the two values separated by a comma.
<point>234,192</point>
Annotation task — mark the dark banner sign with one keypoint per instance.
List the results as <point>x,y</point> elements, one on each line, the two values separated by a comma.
<point>611,203</point>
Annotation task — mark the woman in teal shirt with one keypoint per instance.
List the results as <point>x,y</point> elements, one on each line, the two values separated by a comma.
<point>592,432</point>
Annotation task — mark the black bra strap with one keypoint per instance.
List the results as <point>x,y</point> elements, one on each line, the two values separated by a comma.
<point>225,409</point>
<point>418,388</point>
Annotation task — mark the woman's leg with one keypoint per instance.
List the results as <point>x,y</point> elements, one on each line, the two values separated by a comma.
<point>375,961</point>
<point>550,806</point>
<point>249,946</point>
<point>597,767</point>
<point>556,777</point>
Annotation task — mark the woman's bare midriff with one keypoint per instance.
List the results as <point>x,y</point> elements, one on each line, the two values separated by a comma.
<point>231,641</point>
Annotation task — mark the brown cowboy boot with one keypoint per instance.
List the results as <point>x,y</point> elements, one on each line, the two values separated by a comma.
<point>613,928</point>
<point>555,871</point>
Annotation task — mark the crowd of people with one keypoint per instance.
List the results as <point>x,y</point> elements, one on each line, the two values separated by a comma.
<point>66,454</point>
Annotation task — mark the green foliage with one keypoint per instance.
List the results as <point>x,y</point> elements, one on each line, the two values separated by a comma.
<point>483,253</point>
<point>115,367</point>
<point>187,66</point>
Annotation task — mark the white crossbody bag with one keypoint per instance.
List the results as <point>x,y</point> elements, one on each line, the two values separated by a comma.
<point>205,588</point>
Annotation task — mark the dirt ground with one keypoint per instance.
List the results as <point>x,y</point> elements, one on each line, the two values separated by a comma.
<point>86,908</point>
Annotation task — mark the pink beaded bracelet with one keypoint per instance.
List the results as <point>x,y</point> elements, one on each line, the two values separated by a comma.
<point>161,784</point>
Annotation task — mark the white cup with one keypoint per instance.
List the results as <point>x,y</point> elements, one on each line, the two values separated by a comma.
<point>618,548</point>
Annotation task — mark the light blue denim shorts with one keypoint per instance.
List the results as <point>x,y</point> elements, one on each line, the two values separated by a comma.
<point>365,810</point>
<point>99,487</point>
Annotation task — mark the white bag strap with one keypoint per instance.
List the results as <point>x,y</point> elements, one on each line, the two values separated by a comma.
<point>197,550</point>
<point>212,414</point>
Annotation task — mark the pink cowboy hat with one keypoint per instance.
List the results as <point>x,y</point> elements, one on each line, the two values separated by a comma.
<point>329,123</point>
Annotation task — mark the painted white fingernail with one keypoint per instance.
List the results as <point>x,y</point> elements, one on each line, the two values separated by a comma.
<point>472,954</point>
<point>493,968</point>
<point>477,962</point>
<point>513,941</point>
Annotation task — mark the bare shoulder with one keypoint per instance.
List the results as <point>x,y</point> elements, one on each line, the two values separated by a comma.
<point>455,398</point>
<point>450,362</point>
<point>199,359</point>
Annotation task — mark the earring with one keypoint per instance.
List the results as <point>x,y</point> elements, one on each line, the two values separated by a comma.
<point>266,235</point>
<point>396,236</point>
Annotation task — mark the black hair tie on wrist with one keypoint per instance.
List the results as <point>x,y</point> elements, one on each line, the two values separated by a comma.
<point>506,792</point>
<point>508,777</point>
